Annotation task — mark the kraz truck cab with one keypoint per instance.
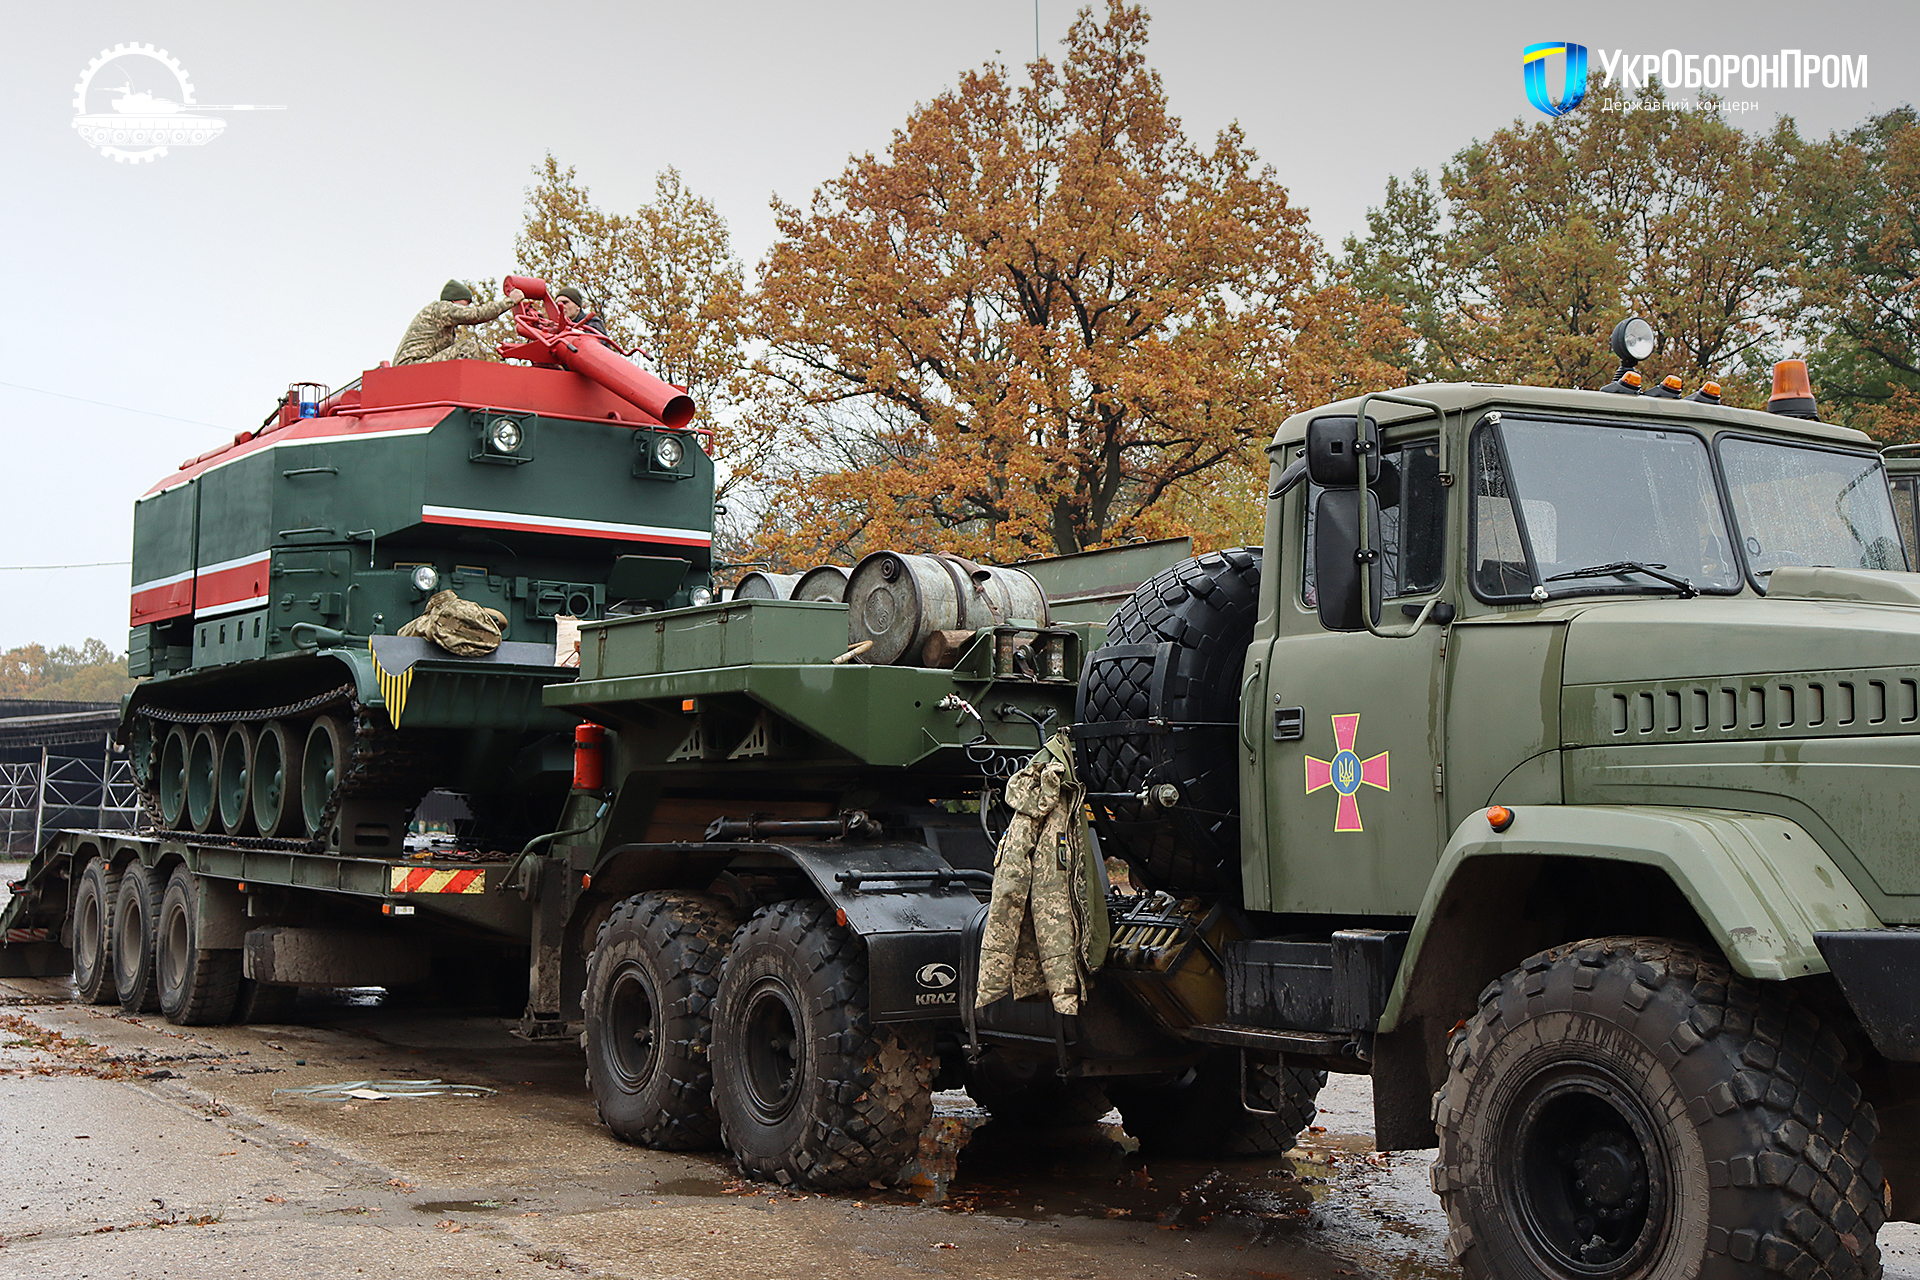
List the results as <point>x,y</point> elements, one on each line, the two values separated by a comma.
<point>1575,745</point>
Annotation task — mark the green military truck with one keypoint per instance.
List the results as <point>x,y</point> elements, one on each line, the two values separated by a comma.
<point>1549,762</point>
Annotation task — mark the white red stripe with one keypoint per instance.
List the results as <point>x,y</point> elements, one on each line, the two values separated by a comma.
<point>209,591</point>
<point>517,522</point>
<point>330,430</point>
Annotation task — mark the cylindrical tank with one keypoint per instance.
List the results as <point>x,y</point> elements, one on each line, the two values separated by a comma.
<point>826,583</point>
<point>760,585</point>
<point>897,601</point>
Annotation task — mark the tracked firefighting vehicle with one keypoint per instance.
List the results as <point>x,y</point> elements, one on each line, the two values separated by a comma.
<point>1549,762</point>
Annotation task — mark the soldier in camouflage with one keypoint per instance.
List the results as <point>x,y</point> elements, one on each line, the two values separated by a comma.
<point>435,333</point>
<point>1040,937</point>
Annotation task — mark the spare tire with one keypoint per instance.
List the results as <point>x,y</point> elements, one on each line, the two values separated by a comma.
<point>1159,704</point>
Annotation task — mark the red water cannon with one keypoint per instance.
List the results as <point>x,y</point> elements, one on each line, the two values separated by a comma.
<point>548,338</point>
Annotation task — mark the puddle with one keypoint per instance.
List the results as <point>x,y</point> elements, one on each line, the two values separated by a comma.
<point>971,1164</point>
<point>459,1206</point>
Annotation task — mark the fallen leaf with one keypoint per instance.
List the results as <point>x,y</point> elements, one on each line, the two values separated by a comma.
<point>448,1225</point>
<point>276,1199</point>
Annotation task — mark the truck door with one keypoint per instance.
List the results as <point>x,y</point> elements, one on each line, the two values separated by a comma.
<point>1351,725</point>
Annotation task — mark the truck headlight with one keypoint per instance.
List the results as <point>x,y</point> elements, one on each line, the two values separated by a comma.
<point>425,578</point>
<point>701,595</point>
<point>667,451</point>
<point>504,436</point>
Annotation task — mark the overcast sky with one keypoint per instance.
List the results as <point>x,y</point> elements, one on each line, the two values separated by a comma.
<point>297,244</point>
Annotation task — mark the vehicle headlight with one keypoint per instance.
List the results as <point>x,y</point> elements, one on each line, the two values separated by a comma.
<point>701,595</point>
<point>667,451</point>
<point>1633,340</point>
<point>504,435</point>
<point>425,578</point>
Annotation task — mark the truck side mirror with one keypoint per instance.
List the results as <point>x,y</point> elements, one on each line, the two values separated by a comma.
<point>1336,567</point>
<point>1333,460</point>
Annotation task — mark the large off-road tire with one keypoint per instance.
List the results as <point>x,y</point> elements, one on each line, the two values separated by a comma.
<point>136,909</point>
<point>808,1089</point>
<point>198,985</point>
<point>651,983</point>
<point>1029,1093</point>
<point>93,903</point>
<point>1204,1112</point>
<point>1627,1107</point>
<point>1195,620</point>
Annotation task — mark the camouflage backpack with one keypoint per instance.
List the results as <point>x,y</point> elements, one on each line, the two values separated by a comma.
<point>461,627</point>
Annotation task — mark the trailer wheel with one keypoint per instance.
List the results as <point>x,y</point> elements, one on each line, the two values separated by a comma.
<point>135,908</point>
<point>808,1089</point>
<point>649,1018</point>
<point>198,985</point>
<point>1029,1093</point>
<point>1628,1107</point>
<point>93,906</point>
<point>1204,1111</point>
<point>1173,655</point>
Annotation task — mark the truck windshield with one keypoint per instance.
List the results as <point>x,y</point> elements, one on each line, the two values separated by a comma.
<point>1601,508</point>
<point>1800,505</point>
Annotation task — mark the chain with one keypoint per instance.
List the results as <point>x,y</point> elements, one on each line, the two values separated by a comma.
<point>162,714</point>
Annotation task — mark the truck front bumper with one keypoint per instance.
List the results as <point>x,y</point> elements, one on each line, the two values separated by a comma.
<point>1879,971</point>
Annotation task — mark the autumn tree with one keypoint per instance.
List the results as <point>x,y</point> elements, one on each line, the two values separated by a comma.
<point>665,280</point>
<point>1043,321</point>
<point>1861,240</point>
<point>1516,264</point>
<point>88,672</point>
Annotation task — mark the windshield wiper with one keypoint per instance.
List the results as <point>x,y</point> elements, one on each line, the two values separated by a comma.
<point>1621,568</point>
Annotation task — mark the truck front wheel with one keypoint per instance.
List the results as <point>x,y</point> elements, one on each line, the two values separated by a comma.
<point>808,1089</point>
<point>1627,1107</point>
<point>649,1007</point>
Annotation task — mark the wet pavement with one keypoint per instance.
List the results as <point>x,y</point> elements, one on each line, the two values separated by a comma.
<point>129,1147</point>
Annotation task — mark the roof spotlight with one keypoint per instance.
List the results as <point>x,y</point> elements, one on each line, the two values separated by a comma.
<point>1633,340</point>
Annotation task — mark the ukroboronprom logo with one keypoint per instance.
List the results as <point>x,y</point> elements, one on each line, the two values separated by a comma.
<point>1573,75</point>
<point>151,107</point>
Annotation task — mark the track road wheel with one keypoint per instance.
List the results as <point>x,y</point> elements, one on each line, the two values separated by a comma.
<point>203,777</point>
<point>808,1090</point>
<point>198,985</point>
<point>93,905</point>
<point>234,796</point>
<point>328,751</point>
<point>649,998</point>
<point>1029,1093</point>
<point>135,908</point>
<point>170,780</point>
<point>1204,1112</point>
<point>274,779</point>
<point>1626,1107</point>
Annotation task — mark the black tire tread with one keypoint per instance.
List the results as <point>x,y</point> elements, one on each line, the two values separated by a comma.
<point>106,881</point>
<point>1813,1200</point>
<point>691,933</point>
<point>213,985</point>
<point>870,1114</point>
<point>1205,606</point>
<point>143,994</point>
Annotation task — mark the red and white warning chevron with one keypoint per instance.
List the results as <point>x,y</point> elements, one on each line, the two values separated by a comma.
<point>436,880</point>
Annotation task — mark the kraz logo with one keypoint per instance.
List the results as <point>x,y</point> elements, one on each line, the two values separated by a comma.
<point>938,977</point>
<point>1573,85</point>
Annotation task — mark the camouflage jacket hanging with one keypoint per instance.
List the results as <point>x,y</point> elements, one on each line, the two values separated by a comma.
<point>1041,938</point>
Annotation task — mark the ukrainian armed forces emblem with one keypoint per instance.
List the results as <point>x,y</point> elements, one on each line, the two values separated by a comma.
<point>1346,773</point>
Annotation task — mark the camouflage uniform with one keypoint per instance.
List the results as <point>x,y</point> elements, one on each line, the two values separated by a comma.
<point>461,627</point>
<point>1041,937</point>
<point>435,333</point>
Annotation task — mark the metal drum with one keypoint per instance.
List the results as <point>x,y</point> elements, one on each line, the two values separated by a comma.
<point>897,601</point>
<point>826,583</point>
<point>766,586</point>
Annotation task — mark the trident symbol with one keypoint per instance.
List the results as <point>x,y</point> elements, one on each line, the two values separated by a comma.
<point>1346,773</point>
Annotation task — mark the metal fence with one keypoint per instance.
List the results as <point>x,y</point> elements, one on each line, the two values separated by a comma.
<point>98,793</point>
